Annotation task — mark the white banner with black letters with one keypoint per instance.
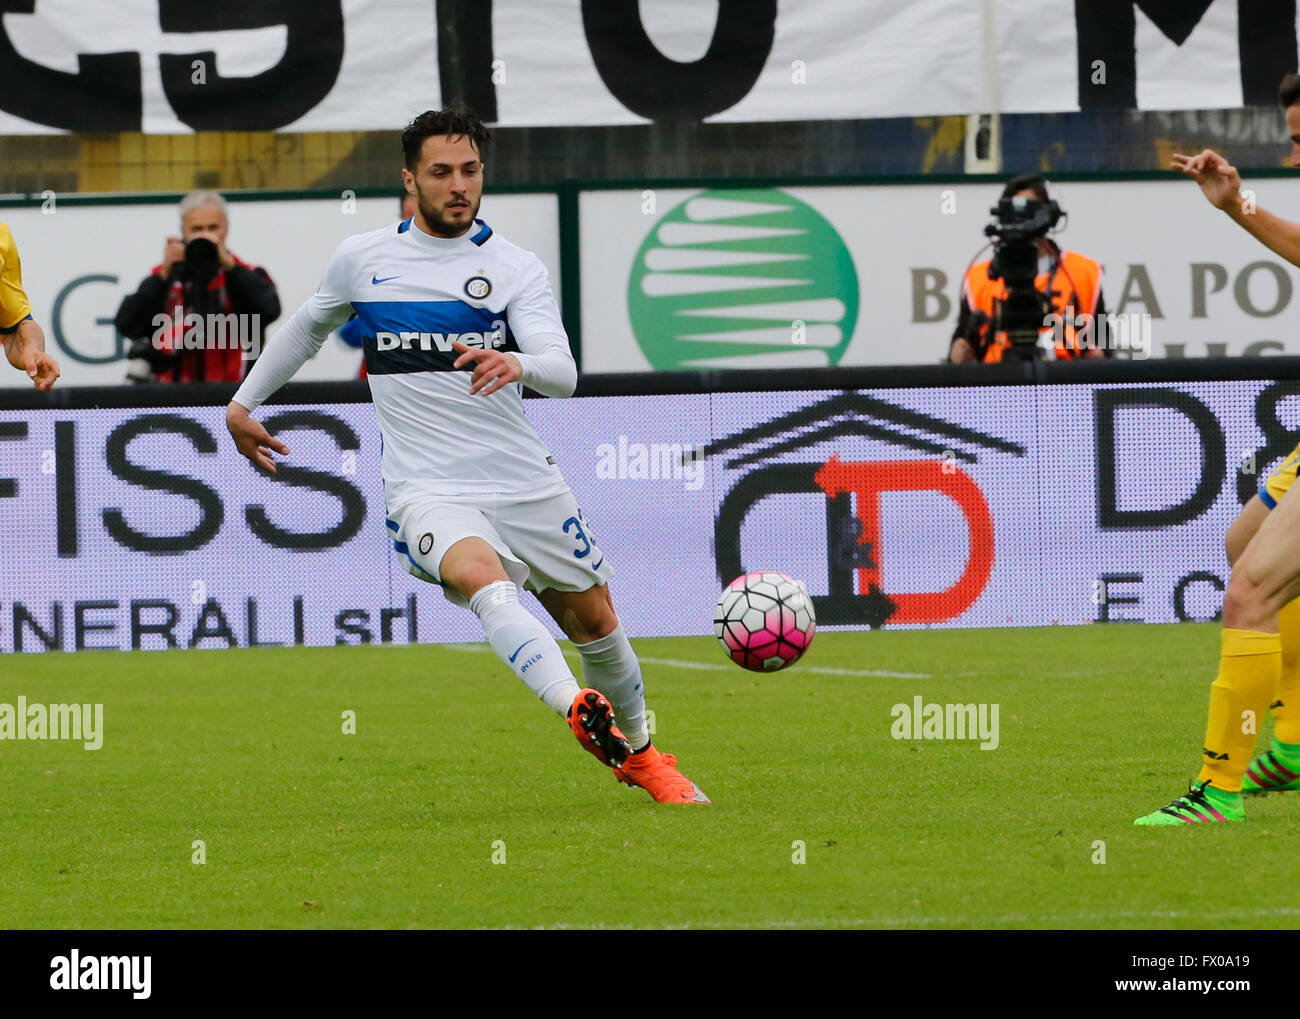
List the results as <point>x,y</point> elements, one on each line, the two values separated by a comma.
<point>167,66</point>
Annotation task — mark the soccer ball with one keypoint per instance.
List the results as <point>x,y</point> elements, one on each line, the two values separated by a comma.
<point>764,621</point>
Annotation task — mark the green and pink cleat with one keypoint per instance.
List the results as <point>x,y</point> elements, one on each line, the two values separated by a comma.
<point>1201,802</point>
<point>1277,770</point>
<point>1274,771</point>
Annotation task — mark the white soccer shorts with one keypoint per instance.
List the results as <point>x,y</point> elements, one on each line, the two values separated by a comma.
<point>543,543</point>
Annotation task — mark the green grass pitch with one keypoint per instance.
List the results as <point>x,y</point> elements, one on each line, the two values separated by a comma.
<point>454,762</point>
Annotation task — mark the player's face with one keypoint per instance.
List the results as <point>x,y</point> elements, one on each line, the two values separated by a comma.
<point>448,185</point>
<point>1293,128</point>
<point>205,221</point>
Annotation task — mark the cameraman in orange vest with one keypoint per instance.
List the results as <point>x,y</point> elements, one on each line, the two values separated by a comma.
<point>1071,281</point>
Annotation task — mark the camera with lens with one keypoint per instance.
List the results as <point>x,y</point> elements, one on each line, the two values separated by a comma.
<point>1020,223</point>
<point>202,260</point>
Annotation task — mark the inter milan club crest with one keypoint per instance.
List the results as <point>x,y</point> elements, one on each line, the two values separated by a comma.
<point>426,543</point>
<point>478,287</point>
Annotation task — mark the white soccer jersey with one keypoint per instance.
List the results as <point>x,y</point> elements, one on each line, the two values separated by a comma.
<point>415,294</point>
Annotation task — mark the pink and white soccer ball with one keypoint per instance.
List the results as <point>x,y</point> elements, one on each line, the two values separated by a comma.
<point>764,621</point>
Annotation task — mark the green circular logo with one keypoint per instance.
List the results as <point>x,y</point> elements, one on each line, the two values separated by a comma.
<point>744,278</point>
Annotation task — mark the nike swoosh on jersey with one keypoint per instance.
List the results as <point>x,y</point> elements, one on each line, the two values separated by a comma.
<point>375,280</point>
<point>520,648</point>
<point>596,566</point>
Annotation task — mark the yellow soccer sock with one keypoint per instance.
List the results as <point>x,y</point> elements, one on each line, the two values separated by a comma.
<point>1248,676</point>
<point>1286,705</point>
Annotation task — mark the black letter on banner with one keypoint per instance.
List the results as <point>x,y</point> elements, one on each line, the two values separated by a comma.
<point>1106,30</point>
<point>354,504</point>
<point>651,85</point>
<point>465,56</point>
<point>1213,458</point>
<point>212,623</point>
<point>11,430</point>
<point>163,628</point>
<point>1266,43</point>
<point>84,625</point>
<point>355,622</point>
<point>1108,581</point>
<point>23,620</point>
<point>1180,595</point>
<point>65,487</point>
<point>104,94</point>
<point>313,55</point>
<point>1278,439</point>
<point>211,511</point>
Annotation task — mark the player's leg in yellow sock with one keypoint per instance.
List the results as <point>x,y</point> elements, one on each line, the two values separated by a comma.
<point>1249,667</point>
<point>1264,548</point>
<point>1265,577</point>
<point>1286,705</point>
<point>1240,533</point>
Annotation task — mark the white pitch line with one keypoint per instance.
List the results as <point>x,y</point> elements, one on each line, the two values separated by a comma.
<point>821,670</point>
<point>675,663</point>
<point>952,921</point>
<point>989,921</point>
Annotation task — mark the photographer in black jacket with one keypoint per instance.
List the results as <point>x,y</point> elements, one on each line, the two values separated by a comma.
<point>200,315</point>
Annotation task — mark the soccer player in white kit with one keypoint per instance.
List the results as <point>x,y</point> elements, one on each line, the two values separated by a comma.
<point>475,501</point>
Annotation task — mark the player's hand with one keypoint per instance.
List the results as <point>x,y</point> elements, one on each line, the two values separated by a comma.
<point>41,369</point>
<point>173,255</point>
<point>252,440</point>
<point>1219,180</point>
<point>225,257</point>
<point>492,368</point>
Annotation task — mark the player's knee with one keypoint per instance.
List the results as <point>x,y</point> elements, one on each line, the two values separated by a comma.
<point>469,578</point>
<point>1245,603</point>
<point>602,623</point>
<point>591,621</point>
<point>470,564</point>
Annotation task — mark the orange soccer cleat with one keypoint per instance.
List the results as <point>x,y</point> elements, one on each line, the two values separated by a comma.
<point>657,774</point>
<point>592,720</point>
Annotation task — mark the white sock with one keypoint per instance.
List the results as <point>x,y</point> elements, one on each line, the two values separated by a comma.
<point>610,665</point>
<point>521,641</point>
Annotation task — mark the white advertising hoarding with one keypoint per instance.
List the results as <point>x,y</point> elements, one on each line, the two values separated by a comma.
<point>817,276</point>
<point>955,507</point>
<point>80,260</point>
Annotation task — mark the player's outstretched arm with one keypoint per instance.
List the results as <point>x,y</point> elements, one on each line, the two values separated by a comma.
<point>297,341</point>
<point>25,349</point>
<point>1221,184</point>
<point>1279,234</point>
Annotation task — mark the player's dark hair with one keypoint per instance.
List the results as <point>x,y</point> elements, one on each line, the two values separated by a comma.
<point>1288,93</point>
<point>454,122</point>
<point>1026,181</point>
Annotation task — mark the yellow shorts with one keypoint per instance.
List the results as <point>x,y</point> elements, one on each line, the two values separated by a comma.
<point>1280,480</point>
